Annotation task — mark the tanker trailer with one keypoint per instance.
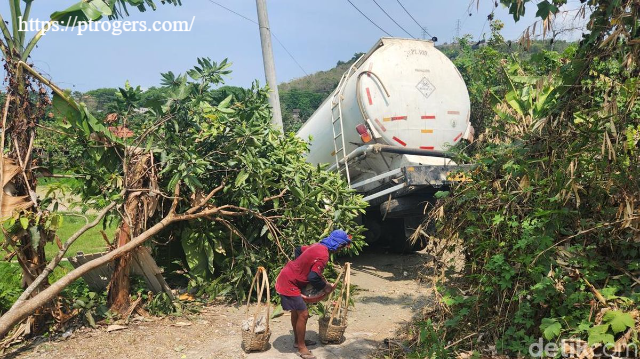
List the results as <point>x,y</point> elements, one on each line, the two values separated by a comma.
<point>386,128</point>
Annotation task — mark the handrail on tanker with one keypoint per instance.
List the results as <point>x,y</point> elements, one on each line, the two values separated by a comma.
<point>377,148</point>
<point>363,111</point>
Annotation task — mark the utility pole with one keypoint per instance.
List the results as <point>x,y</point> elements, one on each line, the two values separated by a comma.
<point>458,28</point>
<point>269,65</point>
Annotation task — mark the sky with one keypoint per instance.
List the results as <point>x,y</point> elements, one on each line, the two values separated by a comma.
<point>317,34</point>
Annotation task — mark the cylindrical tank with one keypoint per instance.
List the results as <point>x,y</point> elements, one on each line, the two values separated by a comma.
<point>404,92</point>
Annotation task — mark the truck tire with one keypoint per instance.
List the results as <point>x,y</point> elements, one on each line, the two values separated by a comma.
<point>373,234</point>
<point>393,232</point>
<point>398,232</point>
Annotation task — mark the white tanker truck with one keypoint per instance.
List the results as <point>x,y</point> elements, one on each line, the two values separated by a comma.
<point>386,127</point>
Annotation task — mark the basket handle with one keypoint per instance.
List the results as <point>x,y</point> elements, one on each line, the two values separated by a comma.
<point>262,286</point>
<point>345,288</point>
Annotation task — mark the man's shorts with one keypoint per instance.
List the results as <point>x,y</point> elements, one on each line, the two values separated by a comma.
<point>292,303</point>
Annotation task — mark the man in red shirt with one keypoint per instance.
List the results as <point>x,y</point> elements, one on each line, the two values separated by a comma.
<point>306,269</point>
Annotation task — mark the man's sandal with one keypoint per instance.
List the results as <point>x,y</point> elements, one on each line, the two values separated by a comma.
<point>308,355</point>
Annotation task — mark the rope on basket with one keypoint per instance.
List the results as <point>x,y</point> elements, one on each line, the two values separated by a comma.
<point>261,287</point>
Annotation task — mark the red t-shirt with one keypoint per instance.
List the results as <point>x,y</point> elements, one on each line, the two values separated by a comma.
<point>293,276</point>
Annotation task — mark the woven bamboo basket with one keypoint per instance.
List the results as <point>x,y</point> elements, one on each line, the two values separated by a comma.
<point>331,328</point>
<point>331,333</point>
<point>252,341</point>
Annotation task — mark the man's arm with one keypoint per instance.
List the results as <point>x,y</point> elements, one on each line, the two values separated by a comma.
<point>317,282</point>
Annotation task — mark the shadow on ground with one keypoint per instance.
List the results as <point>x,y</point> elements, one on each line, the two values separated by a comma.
<point>350,348</point>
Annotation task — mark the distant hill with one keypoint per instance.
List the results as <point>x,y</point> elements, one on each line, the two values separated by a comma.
<point>300,97</point>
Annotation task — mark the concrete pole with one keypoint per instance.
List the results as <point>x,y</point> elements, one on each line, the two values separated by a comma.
<point>269,65</point>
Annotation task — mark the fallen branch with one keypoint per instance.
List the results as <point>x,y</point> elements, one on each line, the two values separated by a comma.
<point>26,307</point>
<point>460,340</point>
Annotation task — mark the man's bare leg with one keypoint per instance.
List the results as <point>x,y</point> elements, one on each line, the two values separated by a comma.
<point>300,330</point>
<point>294,320</point>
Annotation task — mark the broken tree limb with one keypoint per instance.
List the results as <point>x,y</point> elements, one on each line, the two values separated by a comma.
<point>27,307</point>
<point>593,290</point>
<point>16,314</point>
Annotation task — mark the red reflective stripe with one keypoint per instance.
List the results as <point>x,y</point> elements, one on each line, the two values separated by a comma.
<point>427,147</point>
<point>428,117</point>
<point>398,118</point>
<point>458,137</point>
<point>381,125</point>
<point>453,112</point>
<point>399,141</point>
<point>369,96</point>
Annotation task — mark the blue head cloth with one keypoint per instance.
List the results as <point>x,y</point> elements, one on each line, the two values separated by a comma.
<point>336,239</point>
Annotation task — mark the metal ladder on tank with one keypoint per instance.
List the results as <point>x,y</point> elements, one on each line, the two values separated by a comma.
<point>339,146</point>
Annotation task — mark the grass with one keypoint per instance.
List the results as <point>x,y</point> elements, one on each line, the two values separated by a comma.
<point>11,277</point>
<point>90,242</point>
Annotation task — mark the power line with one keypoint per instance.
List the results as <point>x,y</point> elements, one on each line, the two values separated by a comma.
<point>389,16</point>
<point>226,8</point>
<point>483,26</point>
<point>274,35</point>
<point>368,18</point>
<point>417,23</point>
<point>287,51</point>
<point>467,16</point>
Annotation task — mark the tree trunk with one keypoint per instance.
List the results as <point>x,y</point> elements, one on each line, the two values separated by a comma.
<point>118,296</point>
<point>19,134</point>
<point>139,205</point>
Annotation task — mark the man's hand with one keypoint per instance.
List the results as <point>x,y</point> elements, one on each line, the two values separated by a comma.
<point>329,288</point>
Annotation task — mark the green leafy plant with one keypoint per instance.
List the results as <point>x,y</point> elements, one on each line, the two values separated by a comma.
<point>548,223</point>
<point>162,304</point>
<point>9,285</point>
<point>614,322</point>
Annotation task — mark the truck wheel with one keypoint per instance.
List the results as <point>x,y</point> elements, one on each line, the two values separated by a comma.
<point>374,229</point>
<point>393,234</point>
<point>402,230</point>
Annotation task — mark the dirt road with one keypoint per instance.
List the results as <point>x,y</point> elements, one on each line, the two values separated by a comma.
<point>388,296</point>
